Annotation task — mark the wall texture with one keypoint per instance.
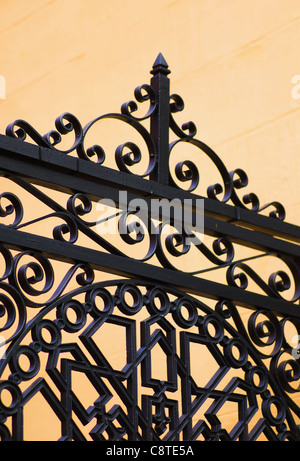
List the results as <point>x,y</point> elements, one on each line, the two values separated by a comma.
<point>232,62</point>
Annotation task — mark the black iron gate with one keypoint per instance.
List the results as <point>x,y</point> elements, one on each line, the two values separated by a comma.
<point>91,250</point>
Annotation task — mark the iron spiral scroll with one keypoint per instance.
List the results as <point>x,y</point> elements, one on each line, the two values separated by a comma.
<point>56,303</point>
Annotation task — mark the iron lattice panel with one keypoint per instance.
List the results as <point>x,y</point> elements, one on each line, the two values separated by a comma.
<point>156,409</point>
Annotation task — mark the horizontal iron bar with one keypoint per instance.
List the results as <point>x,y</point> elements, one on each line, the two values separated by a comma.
<point>59,171</point>
<point>250,238</point>
<point>128,267</point>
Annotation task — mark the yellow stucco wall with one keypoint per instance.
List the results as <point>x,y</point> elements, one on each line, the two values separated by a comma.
<point>232,61</point>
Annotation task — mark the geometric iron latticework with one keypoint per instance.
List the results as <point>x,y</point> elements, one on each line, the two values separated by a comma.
<point>137,325</point>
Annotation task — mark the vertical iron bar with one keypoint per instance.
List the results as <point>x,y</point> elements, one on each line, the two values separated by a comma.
<point>17,426</point>
<point>159,126</point>
<point>66,399</point>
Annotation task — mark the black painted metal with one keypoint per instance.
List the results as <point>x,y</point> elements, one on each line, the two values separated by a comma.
<point>176,304</point>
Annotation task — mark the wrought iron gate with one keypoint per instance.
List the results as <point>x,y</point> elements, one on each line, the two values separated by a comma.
<point>155,286</point>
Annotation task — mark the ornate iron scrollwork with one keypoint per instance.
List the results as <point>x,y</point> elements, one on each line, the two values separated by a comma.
<point>185,171</point>
<point>56,303</point>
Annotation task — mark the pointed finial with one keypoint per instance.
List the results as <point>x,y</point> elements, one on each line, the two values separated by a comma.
<point>160,66</point>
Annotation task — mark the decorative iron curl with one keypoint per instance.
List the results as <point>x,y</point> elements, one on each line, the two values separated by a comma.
<point>131,233</point>
<point>142,93</point>
<point>133,156</point>
<point>192,174</point>
<point>221,246</point>
<point>187,129</point>
<point>12,306</point>
<point>123,160</point>
<point>278,282</point>
<point>266,333</point>
<point>287,372</point>
<point>43,272</point>
<point>81,209</point>
<point>127,229</point>
<point>8,260</point>
<point>187,171</point>
<point>65,123</point>
<point>15,207</point>
<point>240,182</point>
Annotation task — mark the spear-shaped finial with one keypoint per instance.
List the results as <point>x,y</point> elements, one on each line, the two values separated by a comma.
<point>160,66</point>
<point>159,127</point>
